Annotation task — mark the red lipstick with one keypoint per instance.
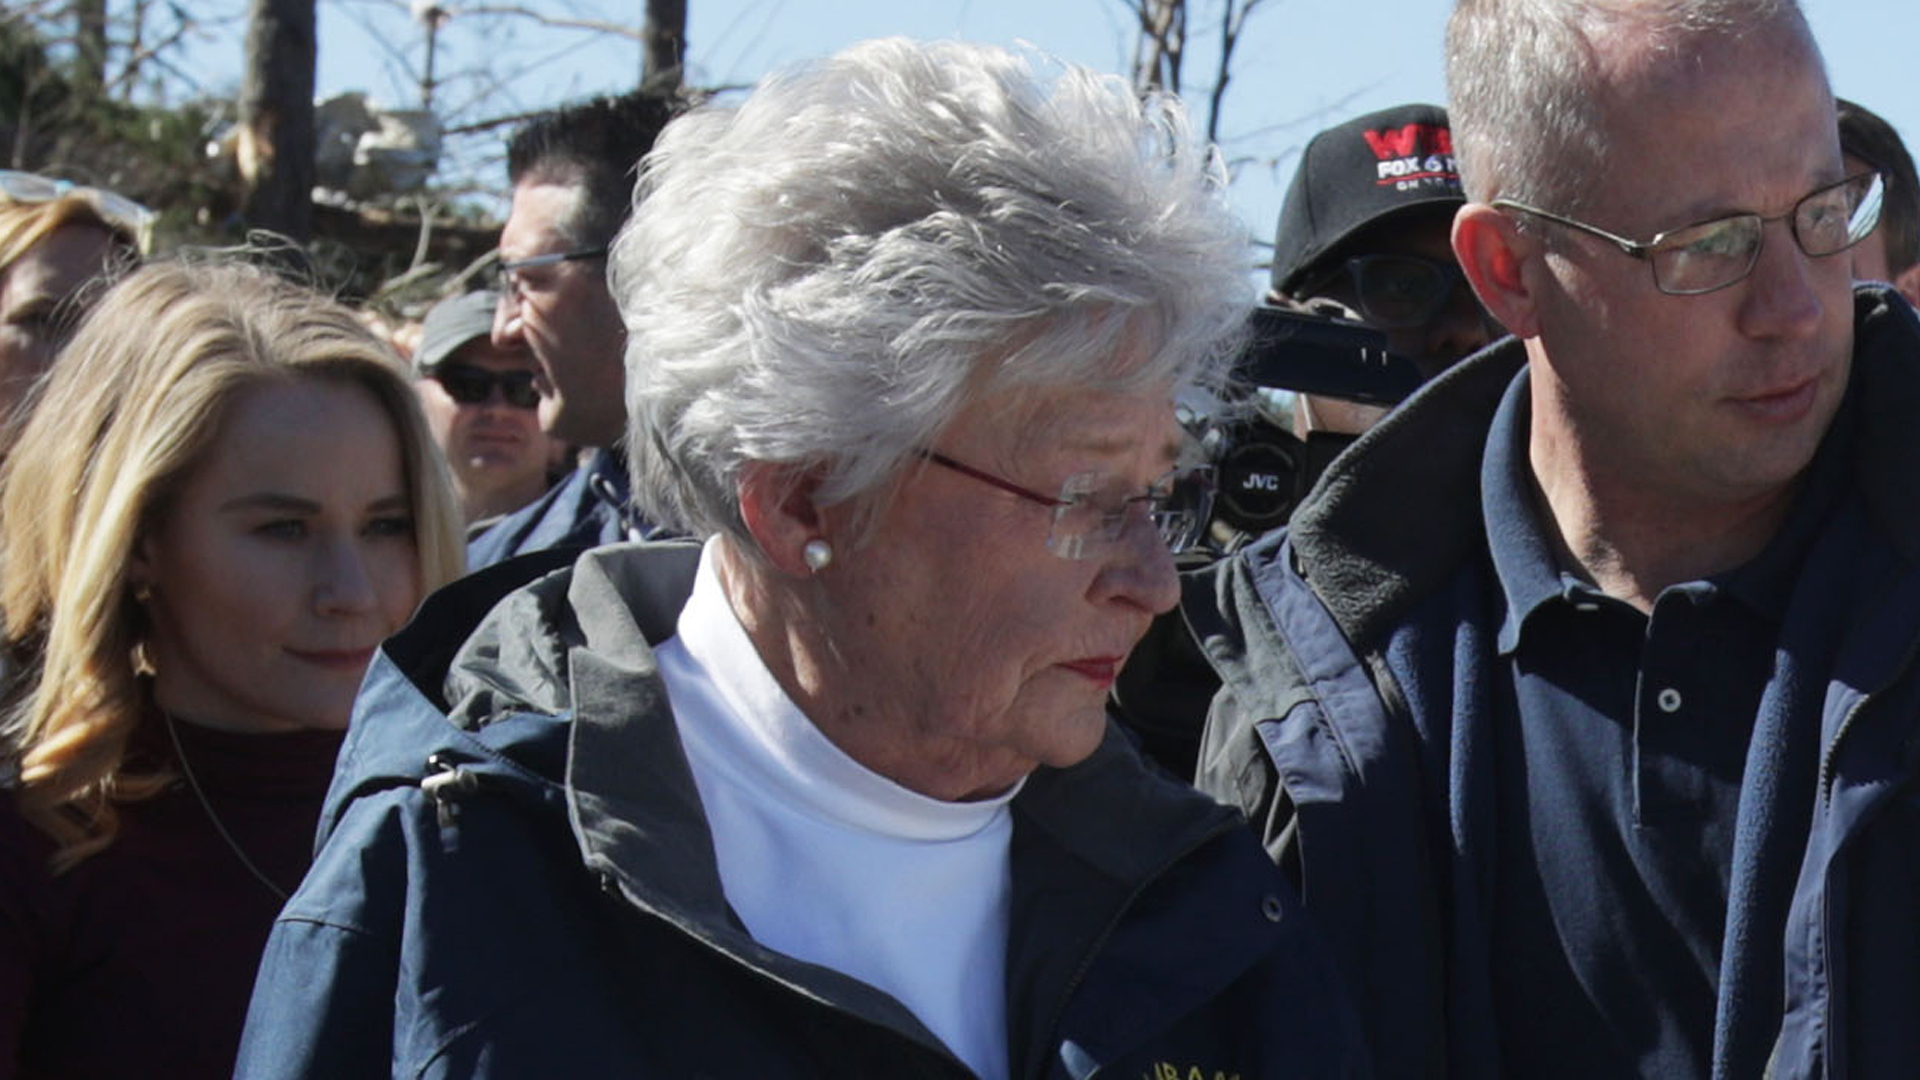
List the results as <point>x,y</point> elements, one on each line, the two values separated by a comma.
<point>1100,670</point>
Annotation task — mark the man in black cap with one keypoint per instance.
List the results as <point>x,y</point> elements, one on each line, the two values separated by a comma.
<point>480,406</point>
<point>1364,235</point>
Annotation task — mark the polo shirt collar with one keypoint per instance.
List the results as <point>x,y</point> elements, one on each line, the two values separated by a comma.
<point>1523,558</point>
<point>1528,567</point>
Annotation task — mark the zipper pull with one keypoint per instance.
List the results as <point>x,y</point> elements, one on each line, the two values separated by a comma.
<point>446,784</point>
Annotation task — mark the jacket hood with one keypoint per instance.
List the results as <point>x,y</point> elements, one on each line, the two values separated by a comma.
<point>478,679</point>
<point>1356,546</point>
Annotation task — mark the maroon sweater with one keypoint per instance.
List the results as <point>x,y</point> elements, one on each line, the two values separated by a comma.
<point>140,960</point>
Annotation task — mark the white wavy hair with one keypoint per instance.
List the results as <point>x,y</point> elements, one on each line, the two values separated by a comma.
<point>826,273</point>
<point>1521,76</point>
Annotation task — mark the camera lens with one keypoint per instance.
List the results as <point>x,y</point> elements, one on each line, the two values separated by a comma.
<point>1257,479</point>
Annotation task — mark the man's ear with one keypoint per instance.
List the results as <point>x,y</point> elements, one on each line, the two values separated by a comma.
<point>778,508</point>
<point>1493,253</point>
<point>1908,282</point>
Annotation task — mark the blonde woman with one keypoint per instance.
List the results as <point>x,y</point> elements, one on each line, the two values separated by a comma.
<point>55,238</point>
<point>225,502</point>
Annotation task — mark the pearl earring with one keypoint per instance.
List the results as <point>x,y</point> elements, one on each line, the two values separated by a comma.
<point>817,553</point>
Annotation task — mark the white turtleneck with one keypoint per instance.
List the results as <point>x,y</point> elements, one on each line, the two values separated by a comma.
<point>830,862</point>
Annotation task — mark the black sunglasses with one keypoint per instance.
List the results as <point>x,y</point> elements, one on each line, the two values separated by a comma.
<point>1394,292</point>
<point>470,385</point>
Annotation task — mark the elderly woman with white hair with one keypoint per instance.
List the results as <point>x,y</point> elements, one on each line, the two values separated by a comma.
<point>834,792</point>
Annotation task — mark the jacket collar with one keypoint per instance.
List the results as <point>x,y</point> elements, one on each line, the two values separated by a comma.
<point>579,645</point>
<point>1422,465</point>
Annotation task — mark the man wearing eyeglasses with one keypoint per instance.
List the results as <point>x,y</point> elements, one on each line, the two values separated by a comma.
<point>572,172</point>
<point>1364,235</point>
<point>479,401</point>
<point>1581,696</point>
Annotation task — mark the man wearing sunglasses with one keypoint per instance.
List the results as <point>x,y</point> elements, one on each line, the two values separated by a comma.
<point>572,173</point>
<point>479,400</point>
<point>1583,694</point>
<point>1364,235</point>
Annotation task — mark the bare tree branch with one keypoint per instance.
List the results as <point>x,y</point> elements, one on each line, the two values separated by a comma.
<point>495,122</point>
<point>1232,24</point>
<point>1162,44</point>
<point>136,48</point>
<point>36,10</point>
<point>1338,107</point>
<point>428,209</point>
<point>397,60</point>
<point>90,47</point>
<point>182,75</point>
<point>663,40</point>
<point>141,54</point>
<point>594,25</point>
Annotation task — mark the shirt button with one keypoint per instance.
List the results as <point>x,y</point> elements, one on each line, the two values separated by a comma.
<point>1271,907</point>
<point>1668,700</point>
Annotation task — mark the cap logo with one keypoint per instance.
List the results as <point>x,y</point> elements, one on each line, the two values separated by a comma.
<point>1414,156</point>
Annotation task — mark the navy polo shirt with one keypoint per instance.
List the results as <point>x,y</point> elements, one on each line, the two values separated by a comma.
<point>1621,741</point>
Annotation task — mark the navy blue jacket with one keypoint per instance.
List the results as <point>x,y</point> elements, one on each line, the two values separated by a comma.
<point>590,507</point>
<point>1372,599</point>
<point>515,879</point>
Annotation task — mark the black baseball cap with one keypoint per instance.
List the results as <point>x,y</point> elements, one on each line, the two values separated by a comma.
<point>1368,170</point>
<point>452,323</point>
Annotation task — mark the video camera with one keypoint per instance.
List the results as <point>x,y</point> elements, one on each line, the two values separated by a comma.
<point>1263,470</point>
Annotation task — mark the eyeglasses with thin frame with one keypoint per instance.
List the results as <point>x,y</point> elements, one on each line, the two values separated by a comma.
<point>1093,509</point>
<point>1715,254</point>
<point>1396,292</point>
<point>506,273</point>
<point>116,209</point>
<point>470,385</point>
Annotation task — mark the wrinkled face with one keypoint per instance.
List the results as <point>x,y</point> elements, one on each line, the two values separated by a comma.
<point>281,561</point>
<point>1716,398</point>
<point>35,315</point>
<point>983,653</point>
<point>497,451</point>
<point>564,315</point>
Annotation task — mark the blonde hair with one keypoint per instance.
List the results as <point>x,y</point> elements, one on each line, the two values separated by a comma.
<point>24,224</point>
<point>137,398</point>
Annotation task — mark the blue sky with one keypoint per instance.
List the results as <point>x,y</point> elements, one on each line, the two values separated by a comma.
<point>1303,64</point>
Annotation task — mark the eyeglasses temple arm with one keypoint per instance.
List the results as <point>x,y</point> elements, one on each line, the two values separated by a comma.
<point>1007,486</point>
<point>1631,247</point>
